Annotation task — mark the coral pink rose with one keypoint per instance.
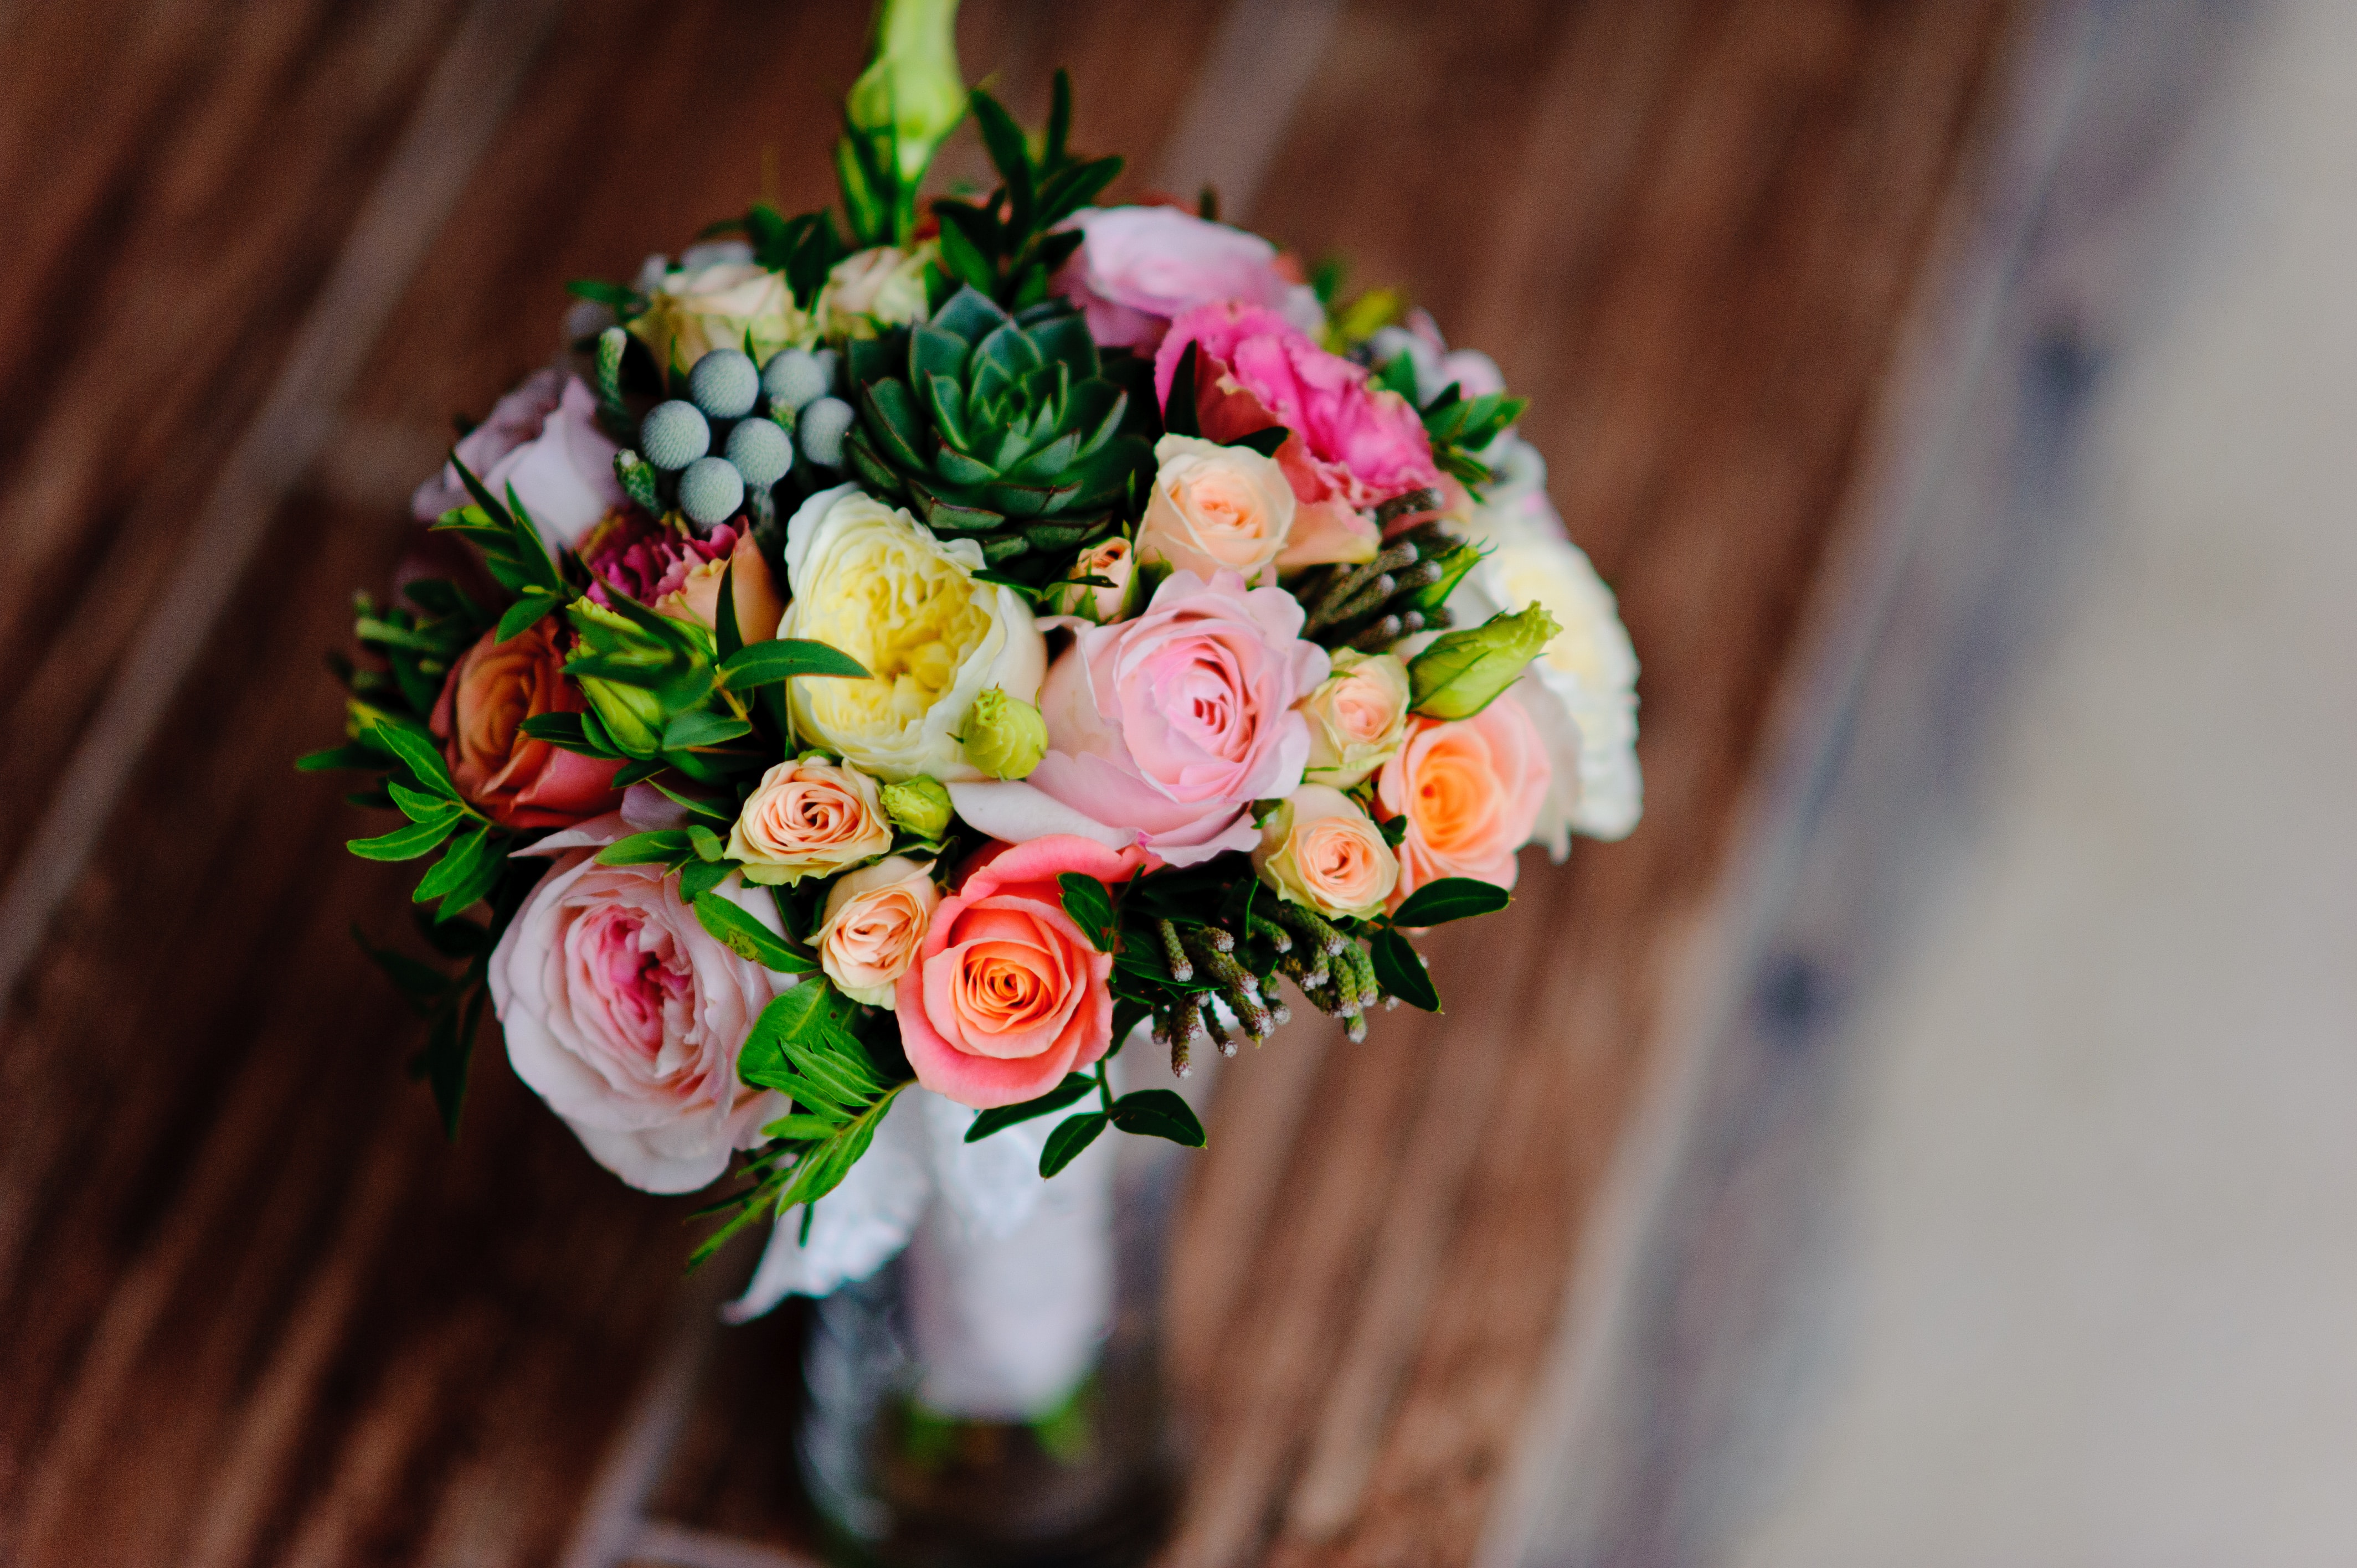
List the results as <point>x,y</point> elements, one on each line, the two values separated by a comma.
<point>544,439</point>
<point>624,1014</point>
<point>517,782</point>
<point>1164,730</point>
<point>1471,791</point>
<point>1008,994</point>
<point>1137,267</point>
<point>1352,444</point>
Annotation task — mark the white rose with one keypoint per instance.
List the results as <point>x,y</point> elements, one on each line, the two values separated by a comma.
<point>626,1018</point>
<point>1581,691</point>
<point>693,311</point>
<point>873,581</point>
<point>873,289</point>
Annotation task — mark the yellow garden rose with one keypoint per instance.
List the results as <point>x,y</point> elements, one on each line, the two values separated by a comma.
<point>871,580</point>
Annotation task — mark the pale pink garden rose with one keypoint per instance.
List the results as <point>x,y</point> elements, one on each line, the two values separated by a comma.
<point>1352,444</point>
<point>1215,508</point>
<point>1138,267</point>
<point>626,1018</point>
<point>1008,994</point>
<point>1319,849</point>
<point>1471,791</point>
<point>876,919</point>
<point>544,439</point>
<point>807,818</point>
<point>1163,731</point>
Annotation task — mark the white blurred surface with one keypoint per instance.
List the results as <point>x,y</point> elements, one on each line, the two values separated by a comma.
<point>2097,1269</point>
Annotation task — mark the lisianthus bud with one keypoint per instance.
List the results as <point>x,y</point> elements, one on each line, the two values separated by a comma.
<point>1319,849</point>
<point>1463,672</point>
<point>1116,563</point>
<point>1357,719</point>
<point>912,88</point>
<point>632,716</point>
<point>918,806</point>
<point>1005,737</point>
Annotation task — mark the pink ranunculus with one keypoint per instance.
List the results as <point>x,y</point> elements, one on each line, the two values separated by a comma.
<point>1008,994</point>
<point>626,1018</point>
<point>1471,791</point>
<point>1353,444</point>
<point>1163,730</point>
<point>1138,267</point>
<point>673,572</point>
<point>544,439</point>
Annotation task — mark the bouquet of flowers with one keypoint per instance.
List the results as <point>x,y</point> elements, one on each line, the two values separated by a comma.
<point>922,647</point>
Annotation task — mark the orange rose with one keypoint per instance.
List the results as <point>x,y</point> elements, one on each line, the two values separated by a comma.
<point>516,781</point>
<point>1471,791</point>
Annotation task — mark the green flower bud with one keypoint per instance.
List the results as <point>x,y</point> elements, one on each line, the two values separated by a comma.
<point>633,715</point>
<point>1005,737</point>
<point>912,90</point>
<point>1463,672</point>
<point>918,806</point>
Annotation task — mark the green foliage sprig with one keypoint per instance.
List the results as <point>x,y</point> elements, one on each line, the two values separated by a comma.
<point>1009,246</point>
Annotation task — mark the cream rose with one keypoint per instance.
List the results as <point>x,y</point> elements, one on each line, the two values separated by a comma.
<point>1357,719</point>
<point>1581,691</point>
<point>873,289</point>
<point>876,919</point>
<point>1114,600</point>
<point>1319,849</point>
<point>1215,508</point>
<point>807,818</point>
<point>872,581</point>
<point>695,310</point>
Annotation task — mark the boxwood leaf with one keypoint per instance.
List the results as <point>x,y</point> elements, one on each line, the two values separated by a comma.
<point>1400,971</point>
<point>1158,1114</point>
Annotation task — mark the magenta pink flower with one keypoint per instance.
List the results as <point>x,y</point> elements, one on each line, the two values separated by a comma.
<point>1163,730</point>
<point>1353,444</point>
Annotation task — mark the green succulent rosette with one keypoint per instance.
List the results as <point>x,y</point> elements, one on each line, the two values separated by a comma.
<point>1000,428</point>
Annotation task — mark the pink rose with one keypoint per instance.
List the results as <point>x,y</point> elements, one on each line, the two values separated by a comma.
<point>1352,444</point>
<point>625,1015</point>
<point>1137,267</point>
<point>1471,791</point>
<point>517,782</point>
<point>544,439</point>
<point>1164,730</point>
<point>1007,995</point>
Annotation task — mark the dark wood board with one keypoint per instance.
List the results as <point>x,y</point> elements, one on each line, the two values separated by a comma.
<point>252,1311</point>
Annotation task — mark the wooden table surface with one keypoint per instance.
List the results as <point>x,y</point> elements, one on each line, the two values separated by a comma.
<point>251,1309</point>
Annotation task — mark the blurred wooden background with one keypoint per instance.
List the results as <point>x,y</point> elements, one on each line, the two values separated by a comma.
<point>251,1309</point>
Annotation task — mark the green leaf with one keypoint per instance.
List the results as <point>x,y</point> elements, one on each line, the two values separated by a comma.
<point>475,885</point>
<point>1065,1144</point>
<point>1265,442</point>
<point>745,937</point>
<point>1178,415</point>
<point>568,732</point>
<point>782,659</point>
<point>420,807</point>
<point>1399,970</point>
<point>352,758</point>
<point>700,727</point>
<point>415,979</point>
<point>1091,907</point>
<point>526,613</point>
<point>1158,1114</point>
<point>457,866</point>
<point>1450,899</point>
<point>698,877</point>
<point>419,755</point>
<point>726,637</point>
<point>406,843</point>
<point>622,296</point>
<point>1076,1086</point>
<point>660,847</point>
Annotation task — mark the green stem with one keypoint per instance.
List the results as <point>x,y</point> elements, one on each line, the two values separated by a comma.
<point>1105,1087</point>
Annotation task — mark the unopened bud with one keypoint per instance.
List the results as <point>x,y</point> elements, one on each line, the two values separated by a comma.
<point>1463,672</point>
<point>1005,737</point>
<point>918,806</point>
